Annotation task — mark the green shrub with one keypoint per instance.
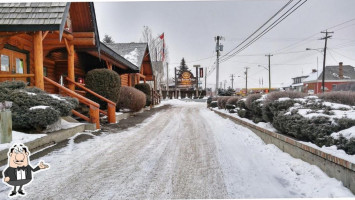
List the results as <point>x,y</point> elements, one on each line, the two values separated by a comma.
<point>242,110</point>
<point>273,108</point>
<point>131,98</point>
<point>34,120</point>
<point>209,100</point>
<point>213,104</point>
<point>231,103</point>
<point>343,97</point>
<point>251,98</point>
<point>12,85</point>
<point>104,82</point>
<point>145,88</point>
<point>24,117</point>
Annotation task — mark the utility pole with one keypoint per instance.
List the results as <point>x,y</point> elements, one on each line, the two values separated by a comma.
<point>167,78</point>
<point>205,79</point>
<point>324,56</point>
<point>175,84</point>
<point>218,49</point>
<point>197,79</point>
<point>269,55</point>
<point>246,80</point>
<point>232,79</point>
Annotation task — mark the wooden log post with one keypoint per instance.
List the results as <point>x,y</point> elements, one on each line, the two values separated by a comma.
<point>71,73</point>
<point>95,116</point>
<point>111,113</point>
<point>5,127</point>
<point>38,59</point>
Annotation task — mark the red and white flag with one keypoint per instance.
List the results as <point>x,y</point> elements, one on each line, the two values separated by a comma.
<point>162,52</point>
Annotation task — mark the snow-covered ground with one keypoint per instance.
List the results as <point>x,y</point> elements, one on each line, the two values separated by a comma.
<point>20,137</point>
<point>185,151</point>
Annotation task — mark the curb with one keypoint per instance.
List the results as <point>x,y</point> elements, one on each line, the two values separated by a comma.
<point>333,166</point>
<point>50,138</point>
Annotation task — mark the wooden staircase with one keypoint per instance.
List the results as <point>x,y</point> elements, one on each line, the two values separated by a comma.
<point>94,112</point>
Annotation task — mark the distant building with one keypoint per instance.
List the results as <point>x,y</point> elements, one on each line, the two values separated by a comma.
<point>297,84</point>
<point>335,76</point>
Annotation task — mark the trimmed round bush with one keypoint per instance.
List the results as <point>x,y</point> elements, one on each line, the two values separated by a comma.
<point>104,82</point>
<point>145,88</point>
<point>131,98</point>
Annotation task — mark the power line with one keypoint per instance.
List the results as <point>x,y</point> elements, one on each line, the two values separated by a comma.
<point>260,27</point>
<point>266,30</point>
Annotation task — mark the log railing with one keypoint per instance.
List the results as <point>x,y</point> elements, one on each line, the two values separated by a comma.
<point>16,75</point>
<point>111,106</point>
<point>94,107</point>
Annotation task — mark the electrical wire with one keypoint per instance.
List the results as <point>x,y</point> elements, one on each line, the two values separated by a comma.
<point>266,30</point>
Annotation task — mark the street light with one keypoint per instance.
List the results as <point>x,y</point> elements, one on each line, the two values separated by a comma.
<point>323,75</point>
<point>268,69</point>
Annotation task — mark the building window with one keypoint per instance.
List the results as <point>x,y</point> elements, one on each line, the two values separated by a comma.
<point>19,66</point>
<point>334,87</point>
<point>5,63</point>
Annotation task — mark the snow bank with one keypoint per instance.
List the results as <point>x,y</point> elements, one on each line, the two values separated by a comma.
<point>253,169</point>
<point>20,137</point>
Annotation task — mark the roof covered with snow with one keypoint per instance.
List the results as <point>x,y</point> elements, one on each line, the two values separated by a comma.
<point>133,52</point>
<point>332,73</point>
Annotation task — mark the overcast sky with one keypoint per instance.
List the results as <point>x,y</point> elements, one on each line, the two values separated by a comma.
<point>190,28</point>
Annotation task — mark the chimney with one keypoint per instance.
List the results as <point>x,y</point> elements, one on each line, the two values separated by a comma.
<point>314,70</point>
<point>341,73</point>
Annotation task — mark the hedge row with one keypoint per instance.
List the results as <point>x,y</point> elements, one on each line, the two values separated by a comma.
<point>271,108</point>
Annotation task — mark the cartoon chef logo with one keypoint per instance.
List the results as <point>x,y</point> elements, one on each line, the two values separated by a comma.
<point>19,171</point>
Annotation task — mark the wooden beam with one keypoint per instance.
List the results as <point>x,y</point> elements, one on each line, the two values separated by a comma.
<point>16,75</point>
<point>38,59</point>
<point>83,41</point>
<point>84,34</point>
<point>65,35</point>
<point>44,35</point>
<point>71,70</point>
<point>109,65</point>
<point>67,46</point>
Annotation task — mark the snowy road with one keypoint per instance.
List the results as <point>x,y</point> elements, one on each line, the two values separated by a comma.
<point>185,151</point>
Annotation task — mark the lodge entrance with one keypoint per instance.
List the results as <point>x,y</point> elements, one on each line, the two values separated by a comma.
<point>12,62</point>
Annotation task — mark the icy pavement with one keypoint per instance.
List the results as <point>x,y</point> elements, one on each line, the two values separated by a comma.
<point>185,151</point>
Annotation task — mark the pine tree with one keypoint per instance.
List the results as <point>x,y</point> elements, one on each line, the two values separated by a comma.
<point>183,66</point>
<point>107,39</point>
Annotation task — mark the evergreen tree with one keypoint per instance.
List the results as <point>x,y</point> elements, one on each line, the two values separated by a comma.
<point>107,39</point>
<point>183,66</point>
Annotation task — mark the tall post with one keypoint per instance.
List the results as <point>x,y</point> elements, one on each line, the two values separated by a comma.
<point>324,56</point>
<point>197,79</point>
<point>71,73</point>
<point>205,80</point>
<point>175,84</point>
<point>269,55</point>
<point>38,59</point>
<point>232,79</point>
<point>167,78</point>
<point>218,48</point>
